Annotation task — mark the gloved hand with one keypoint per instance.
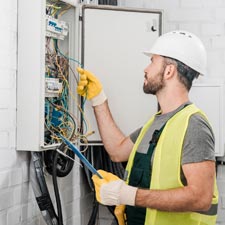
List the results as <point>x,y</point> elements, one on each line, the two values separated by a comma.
<point>90,87</point>
<point>120,214</point>
<point>111,190</point>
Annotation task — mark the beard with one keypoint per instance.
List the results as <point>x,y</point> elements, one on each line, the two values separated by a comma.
<point>153,86</point>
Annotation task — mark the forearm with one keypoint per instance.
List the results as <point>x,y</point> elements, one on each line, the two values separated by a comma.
<point>116,143</point>
<point>176,200</point>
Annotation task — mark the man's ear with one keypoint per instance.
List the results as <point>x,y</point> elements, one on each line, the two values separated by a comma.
<point>170,71</point>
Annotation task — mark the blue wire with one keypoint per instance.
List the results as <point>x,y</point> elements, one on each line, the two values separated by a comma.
<point>81,67</point>
<point>85,125</point>
<point>80,156</point>
<point>70,58</point>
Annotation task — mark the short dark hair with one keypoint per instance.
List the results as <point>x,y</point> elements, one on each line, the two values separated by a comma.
<point>185,73</point>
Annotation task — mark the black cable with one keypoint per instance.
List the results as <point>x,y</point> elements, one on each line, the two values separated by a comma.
<point>101,160</point>
<point>87,173</point>
<point>64,164</point>
<point>107,2</point>
<point>118,169</point>
<point>41,190</point>
<point>107,163</point>
<point>55,185</point>
<point>94,213</point>
<point>111,210</point>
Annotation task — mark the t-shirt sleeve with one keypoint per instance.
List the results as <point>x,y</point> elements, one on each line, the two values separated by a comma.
<point>135,134</point>
<point>199,142</point>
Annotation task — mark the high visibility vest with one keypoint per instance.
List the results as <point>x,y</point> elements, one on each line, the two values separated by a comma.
<point>166,170</point>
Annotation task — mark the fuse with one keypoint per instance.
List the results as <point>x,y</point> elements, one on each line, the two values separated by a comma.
<point>53,87</point>
<point>56,28</point>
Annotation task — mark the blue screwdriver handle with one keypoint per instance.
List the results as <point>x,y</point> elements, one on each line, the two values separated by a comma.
<point>80,156</point>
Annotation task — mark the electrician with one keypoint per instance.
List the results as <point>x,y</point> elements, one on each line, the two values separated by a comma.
<point>170,174</point>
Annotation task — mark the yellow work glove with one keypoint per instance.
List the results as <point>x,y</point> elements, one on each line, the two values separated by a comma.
<point>120,214</point>
<point>111,190</point>
<point>90,87</point>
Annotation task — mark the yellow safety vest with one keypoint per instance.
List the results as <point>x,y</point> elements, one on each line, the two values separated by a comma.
<point>166,170</point>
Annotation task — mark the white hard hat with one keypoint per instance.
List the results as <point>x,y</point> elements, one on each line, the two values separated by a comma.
<point>183,46</point>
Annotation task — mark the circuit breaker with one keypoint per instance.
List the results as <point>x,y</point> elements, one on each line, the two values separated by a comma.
<point>53,39</point>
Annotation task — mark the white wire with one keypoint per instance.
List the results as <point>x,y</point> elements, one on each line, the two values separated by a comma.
<point>62,153</point>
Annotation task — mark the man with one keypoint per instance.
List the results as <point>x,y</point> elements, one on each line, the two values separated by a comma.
<point>170,175</point>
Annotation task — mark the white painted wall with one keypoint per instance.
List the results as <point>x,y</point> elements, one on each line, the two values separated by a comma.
<point>206,18</point>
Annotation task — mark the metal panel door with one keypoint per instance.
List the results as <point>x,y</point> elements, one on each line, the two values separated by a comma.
<point>113,41</point>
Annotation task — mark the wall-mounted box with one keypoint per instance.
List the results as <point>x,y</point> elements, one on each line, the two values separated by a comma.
<point>33,27</point>
<point>110,40</point>
<point>209,96</point>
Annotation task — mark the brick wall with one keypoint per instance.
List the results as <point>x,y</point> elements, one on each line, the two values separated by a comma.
<point>17,203</point>
<point>13,170</point>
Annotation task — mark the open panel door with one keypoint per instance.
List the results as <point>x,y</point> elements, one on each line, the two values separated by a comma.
<point>113,41</point>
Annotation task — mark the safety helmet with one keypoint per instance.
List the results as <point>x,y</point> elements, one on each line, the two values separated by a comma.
<point>183,46</point>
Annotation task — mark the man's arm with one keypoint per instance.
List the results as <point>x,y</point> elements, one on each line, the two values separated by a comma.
<point>116,143</point>
<point>196,196</point>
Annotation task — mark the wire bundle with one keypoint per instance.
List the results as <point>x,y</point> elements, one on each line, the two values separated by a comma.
<point>59,118</point>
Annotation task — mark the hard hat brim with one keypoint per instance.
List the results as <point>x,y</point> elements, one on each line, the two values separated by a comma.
<point>146,53</point>
<point>149,54</point>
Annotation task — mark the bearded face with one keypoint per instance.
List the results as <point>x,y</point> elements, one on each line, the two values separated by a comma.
<point>154,79</point>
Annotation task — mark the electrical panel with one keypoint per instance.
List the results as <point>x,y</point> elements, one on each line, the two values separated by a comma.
<point>55,37</point>
<point>47,105</point>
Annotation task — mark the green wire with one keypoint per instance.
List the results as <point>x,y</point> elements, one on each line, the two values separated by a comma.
<point>71,59</point>
<point>81,65</point>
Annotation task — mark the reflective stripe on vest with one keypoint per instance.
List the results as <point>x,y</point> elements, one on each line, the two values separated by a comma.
<point>166,175</point>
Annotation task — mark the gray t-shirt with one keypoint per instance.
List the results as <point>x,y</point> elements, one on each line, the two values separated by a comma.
<point>199,139</point>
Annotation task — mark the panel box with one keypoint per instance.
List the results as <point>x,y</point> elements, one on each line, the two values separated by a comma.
<point>107,40</point>
<point>47,41</point>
